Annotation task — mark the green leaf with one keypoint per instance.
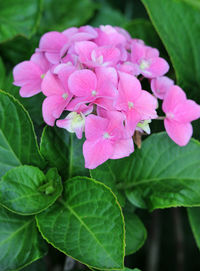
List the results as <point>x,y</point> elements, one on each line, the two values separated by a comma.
<point>194,219</point>
<point>135,233</point>
<point>86,224</point>
<point>143,29</point>
<point>2,72</point>
<point>26,190</point>
<point>17,138</point>
<point>108,15</point>
<point>59,14</point>
<point>20,242</point>
<point>19,17</point>
<point>161,174</point>
<point>178,24</point>
<point>64,151</point>
<point>104,174</point>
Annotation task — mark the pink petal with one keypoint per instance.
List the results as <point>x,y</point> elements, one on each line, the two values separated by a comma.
<point>26,72</point>
<point>84,50</point>
<point>111,55</point>
<point>132,119</point>
<point>52,42</point>
<point>146,105</point>
<point>51,85</point>
<point>174,96</point>
<point>187,111</point>
<point>160,86</point>
<point>94,127</point>
<point>52,108</point>
<point>180,133</point>
<point>82,83</point>
<point>138,52</point>
<point>30,90</point>
<point>158,67</point>
<point>96,152</point>
<point>41,61</point>
<point>123,148</point>
<point>108,74</point>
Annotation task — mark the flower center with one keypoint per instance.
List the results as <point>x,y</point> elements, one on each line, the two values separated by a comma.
<point>96,59</point>
<point>65,95</point>
<point>170,115</point>
<point>94,93</point>
<point>144,64</point>
<point>106,135</point>
<point>130,105</point>
<point>42,75</point>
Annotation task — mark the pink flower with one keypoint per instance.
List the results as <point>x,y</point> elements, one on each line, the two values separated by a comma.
<point>137,104</point>
<point>105,139</point>
<point>29,74</point>
<point>93,56</point>
<point>55,87</point>
<point>179,113</point>
<point>90,87</point>
<point>147,60</point>
<point>160,86</point>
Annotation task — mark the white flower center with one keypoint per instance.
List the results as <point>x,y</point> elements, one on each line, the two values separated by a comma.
<point>106,135</point>
<point>130,105</point>
<point>65,95</point>
<point>94,93</point>
<point>144,64</point>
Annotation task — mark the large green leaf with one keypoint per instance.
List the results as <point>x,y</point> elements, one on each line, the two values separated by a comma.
<point>178,24</point>
<point>135,232</point>
<point>194,219</point>
<point>26,190</point>
<point>162,174</point>
<point>87,224</point>
<point>17,138</point>
<point>59,14</point>
<point>2,72</point>
<point>20,242</point>
<point>19,17</point>
<point>64,151</point>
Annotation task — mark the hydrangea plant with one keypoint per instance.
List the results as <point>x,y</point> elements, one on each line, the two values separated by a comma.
<point>78,182</point>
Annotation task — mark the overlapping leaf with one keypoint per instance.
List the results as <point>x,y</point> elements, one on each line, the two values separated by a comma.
<point>86,224</point>
<point>26,190</point>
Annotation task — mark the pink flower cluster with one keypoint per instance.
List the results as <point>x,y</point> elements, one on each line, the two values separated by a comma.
<point>95,75</point>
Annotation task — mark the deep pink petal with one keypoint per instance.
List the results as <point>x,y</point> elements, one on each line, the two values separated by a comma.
<point>138,52</point>
<point>52,42</point>
<point>180,133</point>
<point>41,61</point>
<point>30,90</point>
<point>84,50</point>
<point>122,148</point>
<point>82,83</point>
<point>111,55</point>
<point>174,96</point>
<point>107,74</point>
<point>95,126</point>
<point>96,152</point>
<point>132,119</point>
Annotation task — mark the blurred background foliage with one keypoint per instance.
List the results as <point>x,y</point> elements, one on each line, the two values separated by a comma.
<point>170,244</point>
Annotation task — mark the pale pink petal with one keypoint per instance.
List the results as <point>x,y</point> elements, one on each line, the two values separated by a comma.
<point>52,42</point>
<point>146,105</point>
<point>187,111</point>
<point>161,85</point>
<point>174,96</point>
<point>30,90</point>
<point>84,50</point>
<point>158,67</point>
<point>151,52</point>
<point>180,133</point>
<point>95,126</point>
<point>111,55</point>
<point>52,108</point>
<point>26,72</point>
<point>122,148</point>
<point>51,85</point>
<point>96,152</point>
<point>138,52</point>
<point>82,83</point>
<point>41,61</point>
<point>70,32</point>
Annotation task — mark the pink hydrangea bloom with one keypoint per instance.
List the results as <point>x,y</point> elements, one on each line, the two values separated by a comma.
<point>160,86</point>
<point>96,76</point>
<point>179,113</point>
